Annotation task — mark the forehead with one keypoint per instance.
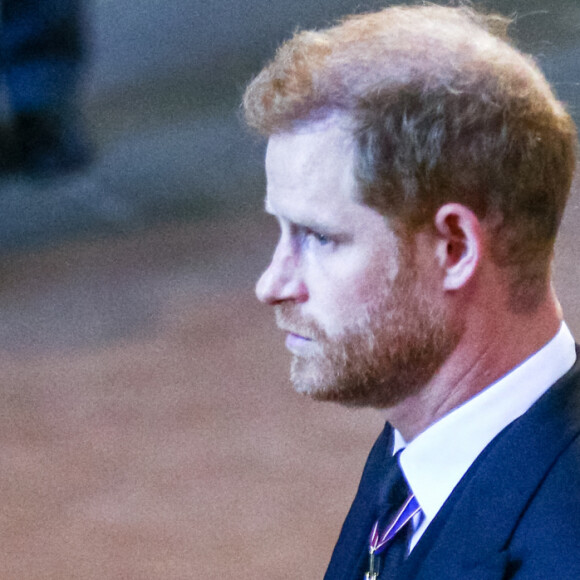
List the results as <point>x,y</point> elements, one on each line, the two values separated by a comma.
<point>324,144</point>
<point>311,168</point>
<point>311,183</point>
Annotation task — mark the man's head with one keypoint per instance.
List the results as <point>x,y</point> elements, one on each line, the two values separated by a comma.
<point>362,324</point>
<point>413,127</point>
<point>443,109</point>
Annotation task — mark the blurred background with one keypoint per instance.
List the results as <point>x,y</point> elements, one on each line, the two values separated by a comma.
<point>148,429</point>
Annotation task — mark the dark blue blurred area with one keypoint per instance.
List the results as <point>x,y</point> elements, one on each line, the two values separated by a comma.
<point>42,48</point>
<point>160,102</point>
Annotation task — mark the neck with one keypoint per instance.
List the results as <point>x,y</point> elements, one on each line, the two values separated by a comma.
<point>487,351</point>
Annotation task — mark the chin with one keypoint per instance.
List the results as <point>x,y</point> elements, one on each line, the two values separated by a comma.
<point>321,382</point>
<point>381,387</point>
<point>310,379</point>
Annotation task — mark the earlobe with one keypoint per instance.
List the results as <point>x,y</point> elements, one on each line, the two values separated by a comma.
<point>460,244</point>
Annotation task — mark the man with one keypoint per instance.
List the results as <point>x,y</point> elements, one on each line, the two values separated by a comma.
<point>418,166</point>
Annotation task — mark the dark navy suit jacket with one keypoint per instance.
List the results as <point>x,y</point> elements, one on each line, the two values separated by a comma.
<point>515,514</point>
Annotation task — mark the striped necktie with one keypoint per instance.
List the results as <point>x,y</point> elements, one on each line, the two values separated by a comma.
<point>397,506</point>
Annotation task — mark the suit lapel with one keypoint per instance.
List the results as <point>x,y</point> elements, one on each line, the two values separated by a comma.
<point>349,551</point>
<point>470,536</point>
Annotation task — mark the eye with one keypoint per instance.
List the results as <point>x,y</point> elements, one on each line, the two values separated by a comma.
<point>319,238</point>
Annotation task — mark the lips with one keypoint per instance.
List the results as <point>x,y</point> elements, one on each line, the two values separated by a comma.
<point>301,335</point>
<point>297,336</point>
<point>295,333</point>
<point>297,343</point>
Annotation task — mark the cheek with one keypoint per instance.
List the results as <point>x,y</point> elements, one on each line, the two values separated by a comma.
<point>376,279</point>
<point>343,301</point>
<point>372,285</point>
<point>343,285</point>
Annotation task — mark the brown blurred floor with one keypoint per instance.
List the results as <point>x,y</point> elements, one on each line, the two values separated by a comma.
<point>148,429</point>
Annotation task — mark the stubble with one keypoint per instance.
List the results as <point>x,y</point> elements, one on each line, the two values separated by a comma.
<point>391,352</point>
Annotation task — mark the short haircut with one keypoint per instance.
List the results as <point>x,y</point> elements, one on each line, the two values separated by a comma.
<point>443,109</point>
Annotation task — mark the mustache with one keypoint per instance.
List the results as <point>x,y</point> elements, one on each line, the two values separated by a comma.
<point>287,319</point>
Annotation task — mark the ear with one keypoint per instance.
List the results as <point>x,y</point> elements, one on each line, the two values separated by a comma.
<point>460,243</point>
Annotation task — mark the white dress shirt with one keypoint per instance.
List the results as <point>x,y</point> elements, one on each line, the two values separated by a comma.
<point>436,460</point>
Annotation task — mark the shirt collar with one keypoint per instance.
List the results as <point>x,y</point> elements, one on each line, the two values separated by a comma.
<point>436,460</point>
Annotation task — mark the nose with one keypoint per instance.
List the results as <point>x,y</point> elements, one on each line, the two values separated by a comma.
<point>282,280</point>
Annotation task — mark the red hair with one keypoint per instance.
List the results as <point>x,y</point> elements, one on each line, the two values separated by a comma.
<point>443,109</point>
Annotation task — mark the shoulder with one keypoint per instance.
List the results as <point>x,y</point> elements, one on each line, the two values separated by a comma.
<point>546,541</point>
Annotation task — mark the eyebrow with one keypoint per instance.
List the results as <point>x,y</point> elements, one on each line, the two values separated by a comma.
<point>308,222</point>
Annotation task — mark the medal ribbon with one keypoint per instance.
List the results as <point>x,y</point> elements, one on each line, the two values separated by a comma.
<point>409,509</point>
